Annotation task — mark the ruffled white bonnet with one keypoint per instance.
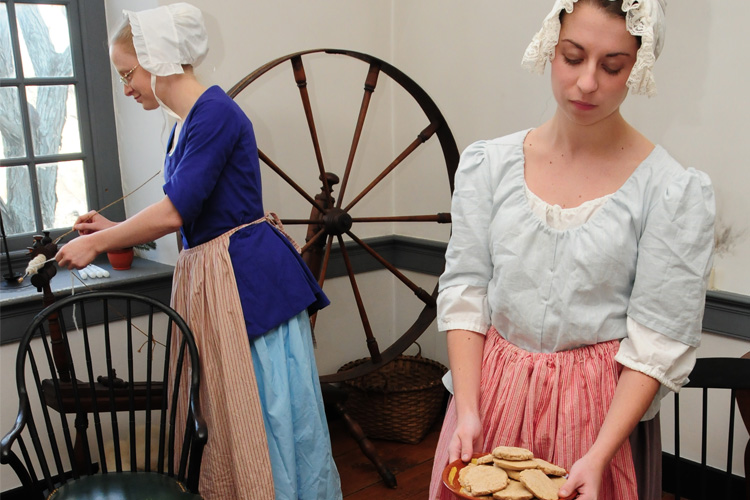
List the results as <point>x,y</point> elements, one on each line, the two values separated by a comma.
<point>167,37</point>
<point>644,18</point>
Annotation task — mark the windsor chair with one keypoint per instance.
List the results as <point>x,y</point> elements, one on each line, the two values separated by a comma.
<point>125,363</point>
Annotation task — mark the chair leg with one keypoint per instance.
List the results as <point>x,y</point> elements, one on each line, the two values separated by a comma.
<point>335,397</point>
<point>79,455</point>
<point>743,403</point>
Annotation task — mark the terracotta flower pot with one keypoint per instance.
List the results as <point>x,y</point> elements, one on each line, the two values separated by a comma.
<point>120,259</point>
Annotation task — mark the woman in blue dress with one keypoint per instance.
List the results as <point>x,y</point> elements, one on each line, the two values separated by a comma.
<point>239,282</point>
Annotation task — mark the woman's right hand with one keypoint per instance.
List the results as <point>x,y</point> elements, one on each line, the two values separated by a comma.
<point>467,438</point>
<point>91,223</point>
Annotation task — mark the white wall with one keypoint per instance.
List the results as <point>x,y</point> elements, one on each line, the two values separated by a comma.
<point>466,55</point>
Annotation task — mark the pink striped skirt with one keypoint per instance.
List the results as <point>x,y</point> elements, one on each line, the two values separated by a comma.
<point>550,403</point>
<point>236,463</point>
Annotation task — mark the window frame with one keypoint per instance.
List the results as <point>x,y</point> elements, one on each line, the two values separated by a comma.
<point>94,95</point>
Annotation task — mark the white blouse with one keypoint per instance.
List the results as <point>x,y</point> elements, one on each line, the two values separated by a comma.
<point>463,302</point>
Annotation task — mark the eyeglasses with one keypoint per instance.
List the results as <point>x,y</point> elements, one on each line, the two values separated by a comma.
<point>125,79</point>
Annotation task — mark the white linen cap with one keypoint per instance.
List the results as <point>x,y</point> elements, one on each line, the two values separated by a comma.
<point>167,37</point>
<point>644,18</point>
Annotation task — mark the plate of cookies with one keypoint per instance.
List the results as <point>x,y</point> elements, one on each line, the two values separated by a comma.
<point>507,473</point>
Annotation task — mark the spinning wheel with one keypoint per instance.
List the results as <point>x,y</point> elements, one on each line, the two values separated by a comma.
<point>331,214</point>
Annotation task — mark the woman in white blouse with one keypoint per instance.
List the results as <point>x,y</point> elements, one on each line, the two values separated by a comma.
<point>576,271</point>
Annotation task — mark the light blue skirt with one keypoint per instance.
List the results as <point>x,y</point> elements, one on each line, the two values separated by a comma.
<point>298,440</point>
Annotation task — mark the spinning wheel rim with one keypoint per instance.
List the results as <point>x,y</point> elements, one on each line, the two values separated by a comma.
<point>333,222</point>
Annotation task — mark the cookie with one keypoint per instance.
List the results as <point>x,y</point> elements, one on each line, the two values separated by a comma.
<point>539,484</point>
<point>550,469</point>
<point>512,453</point>
<point>484,460</point>
<point>515,464</point>
<point>467,493</point>
<point>462,473</point>
<point>558,481</point>
<point>485,480</point>
<point>514,491</point>
<point>513,474</point>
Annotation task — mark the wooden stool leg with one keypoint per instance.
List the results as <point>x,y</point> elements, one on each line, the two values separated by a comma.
<point>335,397</point>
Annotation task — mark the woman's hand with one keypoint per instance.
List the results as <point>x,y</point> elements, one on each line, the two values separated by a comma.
<point>633,395</point>
<point>466,440</point>
<point>465,357</point>
<point>77,254</point>
<point>91,223</point>
<point>585,477</point>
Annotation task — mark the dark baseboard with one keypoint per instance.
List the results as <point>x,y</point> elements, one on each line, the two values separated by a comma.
<point>697,484</point>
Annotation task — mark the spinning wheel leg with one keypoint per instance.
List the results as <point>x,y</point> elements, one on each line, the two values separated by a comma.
<point>334,398</point>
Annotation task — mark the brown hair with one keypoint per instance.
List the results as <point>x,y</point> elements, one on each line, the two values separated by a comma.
<point>611,7</point>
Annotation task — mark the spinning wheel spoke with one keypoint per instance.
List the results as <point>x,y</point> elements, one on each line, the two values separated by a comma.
<point>322,277</point>
<point>312,240</point>
<point>419,292</point>
<point>372,343</point>
<point>289,180</point>
<point>370,83</point>
<point>301,79</point>
<point>326,258</point>
<point>440,218</point>
<point>421,139</point>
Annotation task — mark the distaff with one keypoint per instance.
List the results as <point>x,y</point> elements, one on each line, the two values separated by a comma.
<point>91,222</point>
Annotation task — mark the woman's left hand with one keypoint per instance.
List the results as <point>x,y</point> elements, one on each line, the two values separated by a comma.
<point>585,477</point>
<point>77,254</point>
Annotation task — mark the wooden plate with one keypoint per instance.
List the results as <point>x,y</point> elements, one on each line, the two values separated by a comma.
<point>455,487</point>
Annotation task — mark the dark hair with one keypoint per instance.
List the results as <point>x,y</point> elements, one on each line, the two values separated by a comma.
<point>611,7</point>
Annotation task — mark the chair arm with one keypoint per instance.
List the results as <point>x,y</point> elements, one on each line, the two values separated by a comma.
<point>9,457</point>
<point>200,437</point>
<point>7,442</point>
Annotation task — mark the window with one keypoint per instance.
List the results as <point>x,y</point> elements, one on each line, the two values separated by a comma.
<point>58,150</point>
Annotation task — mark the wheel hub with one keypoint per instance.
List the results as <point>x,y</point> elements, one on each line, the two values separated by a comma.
<point>336,221</point>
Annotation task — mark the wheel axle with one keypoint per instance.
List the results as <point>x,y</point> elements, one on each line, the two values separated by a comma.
<point>336,221</point>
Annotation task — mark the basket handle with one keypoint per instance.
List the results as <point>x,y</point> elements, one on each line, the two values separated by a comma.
<point>419,352</point>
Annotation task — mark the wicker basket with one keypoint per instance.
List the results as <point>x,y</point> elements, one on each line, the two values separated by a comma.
<point>398,402</point>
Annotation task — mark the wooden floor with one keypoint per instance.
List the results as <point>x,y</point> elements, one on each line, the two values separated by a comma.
<point>412,465</point>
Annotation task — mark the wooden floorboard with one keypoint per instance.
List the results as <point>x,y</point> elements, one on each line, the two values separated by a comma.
<point>411,464</point>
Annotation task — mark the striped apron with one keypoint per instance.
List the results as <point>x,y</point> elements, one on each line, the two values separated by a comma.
<point>550,403</point>
<point>236,462</point>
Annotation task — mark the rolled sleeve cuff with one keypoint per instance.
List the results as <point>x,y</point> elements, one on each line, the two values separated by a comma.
<point>463,307</point>
<point>457,323</point>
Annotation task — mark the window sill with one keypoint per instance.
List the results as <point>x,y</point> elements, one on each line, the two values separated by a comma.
<point>19,305</point>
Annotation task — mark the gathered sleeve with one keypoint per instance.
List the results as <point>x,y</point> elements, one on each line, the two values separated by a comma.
<point>660,357</point>
<point>675,255</point>
<point>209,142</point>
<point>462,300</point>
